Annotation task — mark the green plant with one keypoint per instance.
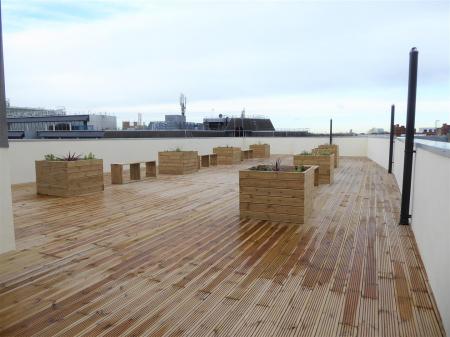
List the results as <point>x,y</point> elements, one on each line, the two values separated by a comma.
<point>177,149</point>
<point>51,157</point>
<point>89,156</point>
<point>306,153</point>
<point>72,157</point>
<point>262,168</point>
<point>323,152</point>
<point>300,168</point>
<point>277,165</point>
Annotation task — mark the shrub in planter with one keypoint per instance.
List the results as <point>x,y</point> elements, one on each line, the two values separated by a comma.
<point>324,160</point>
<point>332,148</point>
<point>276,193</point>
<point>178,162</point>
<point>69,176</point>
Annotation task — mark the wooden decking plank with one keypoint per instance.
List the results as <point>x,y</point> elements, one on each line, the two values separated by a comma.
<point>170,257</point>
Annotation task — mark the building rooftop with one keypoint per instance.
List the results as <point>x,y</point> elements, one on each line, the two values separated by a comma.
<point>170,256</point>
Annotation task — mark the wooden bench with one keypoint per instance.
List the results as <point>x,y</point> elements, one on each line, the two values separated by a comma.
<point>205,160</point>
<point>135,171</point>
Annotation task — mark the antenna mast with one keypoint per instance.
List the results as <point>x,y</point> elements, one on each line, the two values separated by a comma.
<point>183,104</point>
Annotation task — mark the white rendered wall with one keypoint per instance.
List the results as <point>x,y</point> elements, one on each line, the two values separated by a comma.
<point>23,153</point>
<point>378,150</point>
<point>431,223</point>
<point>397,167</point>
<point>6,218</point>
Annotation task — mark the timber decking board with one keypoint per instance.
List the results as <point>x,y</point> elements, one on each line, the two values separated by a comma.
<point>171,258</point>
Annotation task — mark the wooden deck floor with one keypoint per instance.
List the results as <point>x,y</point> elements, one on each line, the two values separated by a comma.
<point>170,257</point>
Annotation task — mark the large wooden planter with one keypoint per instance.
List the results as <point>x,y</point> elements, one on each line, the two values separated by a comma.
<point>276,196</point>
<point>69,178</point>
<point>260,150</point>
<point>333,148</point>
<point>228,155</point>
<point>325,163</point>
<point>178,162</point>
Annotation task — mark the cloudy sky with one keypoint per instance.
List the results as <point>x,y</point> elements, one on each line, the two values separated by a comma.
<point>298,62</point>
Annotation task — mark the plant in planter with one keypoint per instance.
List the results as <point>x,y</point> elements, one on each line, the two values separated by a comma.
<point>333,148</point>
<point>178,162</point>
<point>276,192</point>
<point>227,155</point>
<point>69,175</point>
<point>260,150</point>
<point>322,158</point>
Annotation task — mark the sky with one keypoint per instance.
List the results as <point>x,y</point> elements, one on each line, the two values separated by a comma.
<point>298,62</point>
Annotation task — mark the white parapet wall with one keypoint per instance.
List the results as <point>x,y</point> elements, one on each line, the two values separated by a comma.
<point>430,220</point>
<point>7,241</point>
<point>23,153</point>
<point>378,150</point>
<point>429,208</point>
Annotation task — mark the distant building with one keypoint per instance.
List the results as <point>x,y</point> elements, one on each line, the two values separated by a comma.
<point>127,125</point>
<point>15,111</point>
<point>238,124</point>
<point>376,131</point>
<point>399,130</point>
<point>174,122</point>
<point>444,130</point>
<point>24,122</point>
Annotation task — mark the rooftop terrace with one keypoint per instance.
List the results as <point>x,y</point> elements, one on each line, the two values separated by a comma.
<point>171,257</point>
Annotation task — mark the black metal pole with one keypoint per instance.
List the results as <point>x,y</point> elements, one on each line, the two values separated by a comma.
<point>3,123</point>
<point>409,141</point>
<point>391,138</point>
<point>331,130</point>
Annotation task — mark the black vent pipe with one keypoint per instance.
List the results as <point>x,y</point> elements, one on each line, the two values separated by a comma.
<point>331,131</point>
<point>391,139</point>
<point>409,140</point>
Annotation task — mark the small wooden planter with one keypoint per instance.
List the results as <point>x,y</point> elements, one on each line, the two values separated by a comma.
<point>178,162</point>
<point>228,155</point>
<point>205,160</point>
<point>247,154</point>
<point>213,159</point>
<point>333,148</point>
<point>69,178</point>
<point>260,150</point>
<point>276,196</point>
<point>135,171</point>
<point>325,163</point>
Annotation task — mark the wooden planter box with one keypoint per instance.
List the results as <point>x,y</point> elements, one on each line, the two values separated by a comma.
<point>276,196</point>
<point>260,150</point>
<point>69,178</point>
<point>246,154</point>
<point>178,162</point>
<point>228,155</point>
<point>213,159</point>
<point>325,163</point>
<point>333,148</point>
